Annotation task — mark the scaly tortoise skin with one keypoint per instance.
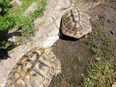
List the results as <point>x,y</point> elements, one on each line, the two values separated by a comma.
<point>35,69</point>
<point>75,24</point>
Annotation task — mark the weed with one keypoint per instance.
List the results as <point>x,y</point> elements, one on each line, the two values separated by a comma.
<point>99,74</point>
<point>10,17</point>
<point>26,23</point>
<point>96,51</point>
<point>4,45</point>
<point>100,43</point>
<point>6,21</point>
<point>79,57</point>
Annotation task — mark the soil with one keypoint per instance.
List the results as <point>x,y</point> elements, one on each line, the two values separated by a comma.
<point>66,49</point>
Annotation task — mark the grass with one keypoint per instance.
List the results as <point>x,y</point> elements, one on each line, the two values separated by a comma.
<point>10,17</point>
<point>4,45</point>
<point>100,43</point>
<point>5,20</point>
<point>96,51</point>
<point>26,23</point>
<point>79,57</point>
<point>99,74</point>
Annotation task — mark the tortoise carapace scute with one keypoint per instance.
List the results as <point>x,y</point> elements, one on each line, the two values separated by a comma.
<point>35,69</point>
<point>75,24</point>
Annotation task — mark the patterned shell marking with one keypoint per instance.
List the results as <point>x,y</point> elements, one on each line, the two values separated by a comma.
<point>75,24</point>
<point>35,69</point>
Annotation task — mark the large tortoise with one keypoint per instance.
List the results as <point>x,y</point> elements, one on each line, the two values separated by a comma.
<point>35,69</point>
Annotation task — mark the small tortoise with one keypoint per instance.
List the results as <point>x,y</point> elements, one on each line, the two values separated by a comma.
<point>35,69</point>
<point>75,24</point>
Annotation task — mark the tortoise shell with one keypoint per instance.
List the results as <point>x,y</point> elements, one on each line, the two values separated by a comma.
<point>35,69</point>
<point>75,24</point>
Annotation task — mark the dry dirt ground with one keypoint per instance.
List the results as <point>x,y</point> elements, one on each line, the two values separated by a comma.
<point>66,49</point>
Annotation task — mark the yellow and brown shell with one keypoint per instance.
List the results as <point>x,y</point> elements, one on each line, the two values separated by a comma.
<point>75,24</point>
<point>35,69</point>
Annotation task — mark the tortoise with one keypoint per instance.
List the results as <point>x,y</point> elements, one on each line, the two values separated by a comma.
<point>75,23</point>
<point>35,69</point>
